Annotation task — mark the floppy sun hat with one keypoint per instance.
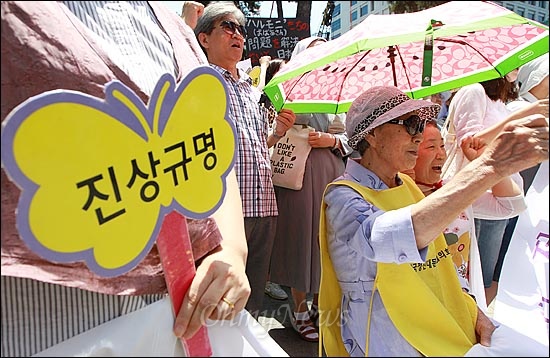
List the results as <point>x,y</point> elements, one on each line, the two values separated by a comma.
<point>379,105</point>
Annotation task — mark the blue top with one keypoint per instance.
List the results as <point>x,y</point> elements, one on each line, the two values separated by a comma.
<point>367,235</point>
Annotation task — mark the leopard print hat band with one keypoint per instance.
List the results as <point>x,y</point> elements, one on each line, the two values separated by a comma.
<point>378,105</point>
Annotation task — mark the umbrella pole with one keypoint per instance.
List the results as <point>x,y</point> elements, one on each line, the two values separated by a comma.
<point>391,56</point>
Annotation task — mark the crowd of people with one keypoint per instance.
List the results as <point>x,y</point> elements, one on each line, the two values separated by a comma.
<point>399,196</point>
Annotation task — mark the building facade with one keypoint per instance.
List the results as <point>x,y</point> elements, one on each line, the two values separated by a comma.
<point>347,14</point>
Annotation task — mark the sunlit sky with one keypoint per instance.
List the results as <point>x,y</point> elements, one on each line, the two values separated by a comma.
<point>269,9</point>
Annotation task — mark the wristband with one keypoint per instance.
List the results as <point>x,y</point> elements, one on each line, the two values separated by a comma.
<point>276,135</point>
<point>335,142</point>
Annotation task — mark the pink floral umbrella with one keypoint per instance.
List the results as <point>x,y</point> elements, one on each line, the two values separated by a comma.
<point>421,53</point>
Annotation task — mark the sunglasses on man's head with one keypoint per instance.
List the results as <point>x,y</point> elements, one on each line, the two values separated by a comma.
<point>231,28</point>
<point>413,124</point>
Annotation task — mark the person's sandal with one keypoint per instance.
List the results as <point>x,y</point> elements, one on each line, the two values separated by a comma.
<point>314,314</point>
<point>304,327</point>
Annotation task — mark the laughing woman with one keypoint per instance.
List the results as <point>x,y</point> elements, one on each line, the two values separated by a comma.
<point>503,201</point>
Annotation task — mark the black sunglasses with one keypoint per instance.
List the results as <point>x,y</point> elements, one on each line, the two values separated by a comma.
<point>231,28</point>
<point>413,124</point>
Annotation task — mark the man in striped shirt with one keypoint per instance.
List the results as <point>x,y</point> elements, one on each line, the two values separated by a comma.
<point>221,34</point>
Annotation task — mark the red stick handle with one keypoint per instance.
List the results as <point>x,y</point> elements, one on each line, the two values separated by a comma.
<point>176,254</point>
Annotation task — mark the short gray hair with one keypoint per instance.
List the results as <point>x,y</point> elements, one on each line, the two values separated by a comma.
<point>215,11</point>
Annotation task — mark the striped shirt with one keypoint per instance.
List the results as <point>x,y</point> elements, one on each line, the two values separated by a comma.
<point>132,36</point>
<point>37,315</point>
<point>252,165</point>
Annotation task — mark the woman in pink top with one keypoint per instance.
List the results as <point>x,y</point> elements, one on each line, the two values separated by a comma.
<point>479,110</point>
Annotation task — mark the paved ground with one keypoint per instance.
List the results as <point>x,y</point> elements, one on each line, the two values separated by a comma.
<point>275,318</point>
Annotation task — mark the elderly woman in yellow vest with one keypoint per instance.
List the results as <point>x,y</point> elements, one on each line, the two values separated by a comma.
<point>504,200</point>
<point>389,285</point>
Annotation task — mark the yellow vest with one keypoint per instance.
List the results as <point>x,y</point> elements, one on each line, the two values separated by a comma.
<point>424,301</point>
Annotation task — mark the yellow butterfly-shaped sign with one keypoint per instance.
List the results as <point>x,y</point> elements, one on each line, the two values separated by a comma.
<point>99,175</point>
